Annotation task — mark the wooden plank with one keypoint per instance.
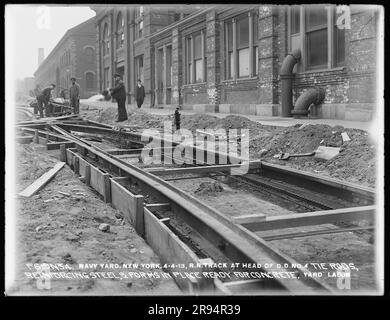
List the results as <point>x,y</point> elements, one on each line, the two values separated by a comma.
<point>367,191</point>
<point>41,181</point>
<point>98,181</point>
<point>83,164</point>
<point>131,205</point>
<point>63,153</point>
<point>312,218</point>
<point>249,218</point>
<point>57,145</point>
<point>124,156</point>
<point>202,169</point>
<point>158,206</point>
<point>169,247</point>
<point>314,233</point>
<point>24,139</point>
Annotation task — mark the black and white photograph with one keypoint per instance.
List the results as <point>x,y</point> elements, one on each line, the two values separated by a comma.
<point>183,150</point>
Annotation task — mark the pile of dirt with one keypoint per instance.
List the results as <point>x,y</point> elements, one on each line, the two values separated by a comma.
<point>355,163</point>
<point>55,226</point>
<point>209,187</point>
<point>135,118</point>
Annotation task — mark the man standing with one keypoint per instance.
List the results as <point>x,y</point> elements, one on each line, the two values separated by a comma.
<point>140,94</point>
<point>119,94</point>
<point>74,95</point>
<point>37,92</point>
<point>43,100</point>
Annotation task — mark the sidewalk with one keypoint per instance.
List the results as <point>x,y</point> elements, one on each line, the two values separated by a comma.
<point>370,126</point>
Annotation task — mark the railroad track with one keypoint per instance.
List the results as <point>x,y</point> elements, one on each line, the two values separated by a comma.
<point>160,211</point>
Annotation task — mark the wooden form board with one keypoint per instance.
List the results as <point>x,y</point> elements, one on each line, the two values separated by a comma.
<point>100,181</point>
<point>70,154</point>
<point>41,181</point>
<point>202,169</point>
<point>24,139</point>
<point>83,167</point>
<point>169,247</point>
<point>131,205</point>
<point>56,145</point>
<point>312,218</point>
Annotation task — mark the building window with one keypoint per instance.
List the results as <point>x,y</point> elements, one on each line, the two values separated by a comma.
<point>139,68</point>
<point>120,35</point>
<point>106,41</point>
<point>139,22</point>
<point>89,53</point>
<point>89,81</point>
<point>241,49</point>
<point>196,58</point>
<point>320,33</point>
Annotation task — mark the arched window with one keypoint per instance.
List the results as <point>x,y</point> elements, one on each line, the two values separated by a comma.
<point>106,40</point>
<point>89,52</point>
<point>120,36</point>
<point>89,81</point>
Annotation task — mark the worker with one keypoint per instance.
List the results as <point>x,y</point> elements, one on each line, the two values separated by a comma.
<point>119,94</point>
<point>37,92</point>
<point>139,94</point>
<point>177,118</point>
<point>74,95</point>
<point>43,100</point>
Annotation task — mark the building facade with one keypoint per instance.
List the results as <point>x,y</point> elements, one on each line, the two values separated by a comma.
<point>73,56</point>
<point>228,59</point>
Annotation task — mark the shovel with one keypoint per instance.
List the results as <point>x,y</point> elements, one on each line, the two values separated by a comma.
<point>322,153</point>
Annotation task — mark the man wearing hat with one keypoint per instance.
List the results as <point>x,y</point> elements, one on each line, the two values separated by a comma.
<point>43,99</point>
<point>119,94</point>
<point>74,95</point>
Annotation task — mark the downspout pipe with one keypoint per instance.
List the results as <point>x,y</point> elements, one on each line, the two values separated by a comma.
<point>286,77</point>
<point>311,96</point>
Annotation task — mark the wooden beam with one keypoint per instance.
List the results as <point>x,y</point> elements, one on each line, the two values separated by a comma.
<point>57,145</point>
<point>314,233</point>
<point>203,169</point>
<point>249,218</point>
<point>41,181</point>
<point>312,218</point>
<point>24,139</point>
<point>158,206</point>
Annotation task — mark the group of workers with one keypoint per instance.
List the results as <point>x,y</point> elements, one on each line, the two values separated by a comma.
<point>118,92</point>
<point>44,97</point>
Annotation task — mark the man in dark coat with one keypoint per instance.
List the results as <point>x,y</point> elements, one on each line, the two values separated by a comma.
<point>43,100</point>
<point>74,95</point>
<point>140,94</point>
<point>119,94</point>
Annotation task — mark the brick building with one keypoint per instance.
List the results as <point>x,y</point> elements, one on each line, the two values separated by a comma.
<point>228,59</point>
<point>74,55</point>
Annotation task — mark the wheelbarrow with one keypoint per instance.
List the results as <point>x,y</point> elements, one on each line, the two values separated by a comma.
<point>322,153</point>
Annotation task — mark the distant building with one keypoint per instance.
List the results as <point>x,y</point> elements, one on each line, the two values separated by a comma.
<point>29,85</point>
<point>41,55</point>
<point>228,59</point>
<point>74,55</point>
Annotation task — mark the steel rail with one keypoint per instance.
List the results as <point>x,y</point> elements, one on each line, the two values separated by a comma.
<point>234,241</point>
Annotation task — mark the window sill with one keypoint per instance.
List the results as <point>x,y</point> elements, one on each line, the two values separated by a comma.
<point>194,84</point>
<point>321,70</point>
<point>138,40</point>
<point>240,79</point>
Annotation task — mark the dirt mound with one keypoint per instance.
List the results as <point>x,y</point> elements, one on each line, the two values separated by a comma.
<point>135,118</point>
<point>356,161</point>
<point>198,121</point>
<point>209,188</point>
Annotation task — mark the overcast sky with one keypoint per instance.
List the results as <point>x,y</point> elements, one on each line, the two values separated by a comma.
<point>31,27</point>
